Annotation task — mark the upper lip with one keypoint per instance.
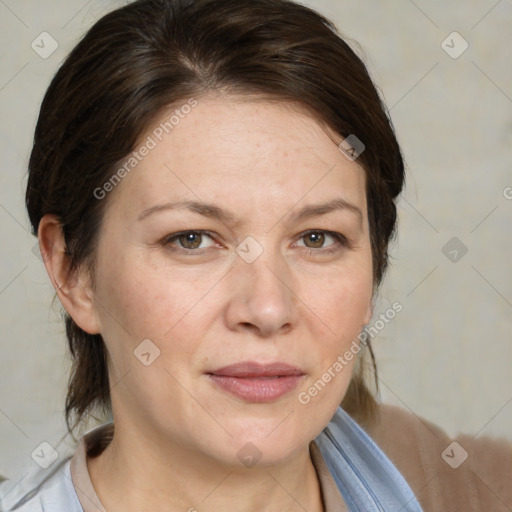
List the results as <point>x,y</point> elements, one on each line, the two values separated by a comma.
<point>254,369</point>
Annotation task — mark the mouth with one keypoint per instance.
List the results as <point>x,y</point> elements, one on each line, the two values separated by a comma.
<point>255,382</point>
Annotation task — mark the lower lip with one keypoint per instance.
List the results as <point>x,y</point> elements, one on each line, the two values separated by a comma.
<point>257,390</point>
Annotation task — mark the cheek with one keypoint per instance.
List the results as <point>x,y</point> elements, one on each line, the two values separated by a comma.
<point>351,300</point>
<point>344,298</point>
<point>342,309</point>
<point>140,305</point>
<point>145,302</point>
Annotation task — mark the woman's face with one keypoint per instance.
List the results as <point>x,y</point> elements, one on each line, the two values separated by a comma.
<point>243,182</point>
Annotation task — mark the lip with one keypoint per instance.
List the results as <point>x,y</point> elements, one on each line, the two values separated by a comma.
<point>257,382</point>
<point>256,370</point>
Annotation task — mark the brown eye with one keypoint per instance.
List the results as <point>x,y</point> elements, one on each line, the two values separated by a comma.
<point>323,242</point>
<point>190,240</point>
<point>316,239</point>
<point>190,243</point>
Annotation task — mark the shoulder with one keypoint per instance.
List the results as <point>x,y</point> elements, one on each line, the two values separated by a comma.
<point>460,473</point>
<point>37,492</point>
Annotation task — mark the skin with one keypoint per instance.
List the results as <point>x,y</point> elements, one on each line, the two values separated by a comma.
<point>177,435</point>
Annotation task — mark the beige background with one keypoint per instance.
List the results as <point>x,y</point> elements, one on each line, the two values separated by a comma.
<point>448,355</point>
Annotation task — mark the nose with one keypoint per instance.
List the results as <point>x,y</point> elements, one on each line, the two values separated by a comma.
<point>262,300</point>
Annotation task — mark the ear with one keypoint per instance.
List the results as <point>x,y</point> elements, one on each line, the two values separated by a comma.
<point>72,287</point>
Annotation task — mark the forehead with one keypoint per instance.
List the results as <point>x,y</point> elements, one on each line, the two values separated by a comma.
<point>245,151</point>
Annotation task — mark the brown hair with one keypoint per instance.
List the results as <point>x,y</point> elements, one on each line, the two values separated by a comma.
<point>150,54</point>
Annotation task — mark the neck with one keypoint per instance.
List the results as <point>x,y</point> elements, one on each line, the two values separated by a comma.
<point>134,474</point>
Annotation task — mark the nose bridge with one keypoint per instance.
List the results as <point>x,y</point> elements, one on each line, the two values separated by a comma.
<point>269,276</point>
<point>262,288</point>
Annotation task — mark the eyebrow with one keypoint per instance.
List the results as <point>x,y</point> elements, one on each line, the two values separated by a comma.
<point>207,210</point>
<point>316,210</point>
<point>215,212</point>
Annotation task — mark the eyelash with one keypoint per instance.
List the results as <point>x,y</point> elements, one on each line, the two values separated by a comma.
<point>341,240</point>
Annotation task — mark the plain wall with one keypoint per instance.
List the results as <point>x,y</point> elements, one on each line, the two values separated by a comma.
<point>447,355</point>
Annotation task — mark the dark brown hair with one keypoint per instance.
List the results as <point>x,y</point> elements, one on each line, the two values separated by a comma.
<point>150,54</point>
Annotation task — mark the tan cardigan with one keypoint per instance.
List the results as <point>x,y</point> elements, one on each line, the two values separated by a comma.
<point>437,470</point>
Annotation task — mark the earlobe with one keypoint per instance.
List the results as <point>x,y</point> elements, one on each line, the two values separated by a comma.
<point>72,286</point>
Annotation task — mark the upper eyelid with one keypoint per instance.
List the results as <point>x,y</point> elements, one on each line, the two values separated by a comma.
<point>174,236</point>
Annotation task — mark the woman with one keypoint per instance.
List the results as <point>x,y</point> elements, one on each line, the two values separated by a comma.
<point>213,186</point>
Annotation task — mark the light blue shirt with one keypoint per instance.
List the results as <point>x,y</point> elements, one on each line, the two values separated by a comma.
<point>366,478</point>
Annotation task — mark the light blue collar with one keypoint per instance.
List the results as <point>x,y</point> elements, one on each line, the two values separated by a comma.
<point>366,478</point>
